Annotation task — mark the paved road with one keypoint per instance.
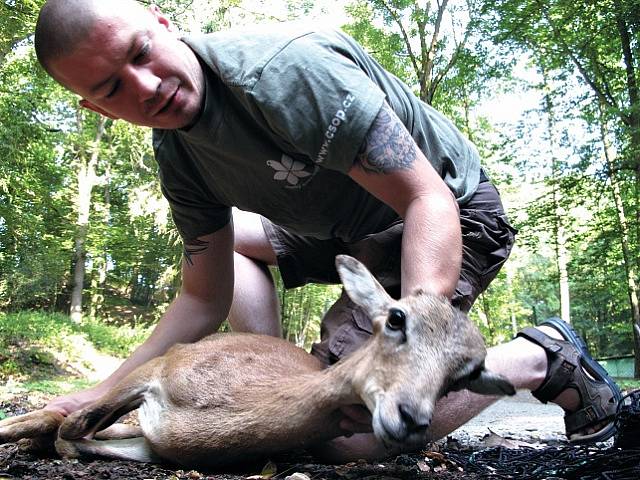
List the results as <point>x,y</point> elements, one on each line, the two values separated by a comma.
<point>520,417</point>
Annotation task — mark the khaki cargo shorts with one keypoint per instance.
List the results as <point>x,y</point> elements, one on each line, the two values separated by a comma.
<point>487,241</point>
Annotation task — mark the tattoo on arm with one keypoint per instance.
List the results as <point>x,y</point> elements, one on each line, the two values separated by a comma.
<point>388,146</point>
<point>194,247</point>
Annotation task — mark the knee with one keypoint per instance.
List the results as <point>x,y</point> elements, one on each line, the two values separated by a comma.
<point>250,238</point>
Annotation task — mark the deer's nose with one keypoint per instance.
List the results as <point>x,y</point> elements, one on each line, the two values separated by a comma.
<point>414,421</point>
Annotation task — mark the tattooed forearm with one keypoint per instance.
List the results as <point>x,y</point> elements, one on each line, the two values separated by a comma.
<point>388,146</point>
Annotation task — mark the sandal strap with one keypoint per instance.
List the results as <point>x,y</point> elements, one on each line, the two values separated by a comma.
<point>586,417</point>
<point>560,368</point>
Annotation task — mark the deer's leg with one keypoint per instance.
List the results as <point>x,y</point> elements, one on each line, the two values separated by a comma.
<point>118,431</point>
<point>135,449</point>
<point>35,424</point>
<point>124,397</point>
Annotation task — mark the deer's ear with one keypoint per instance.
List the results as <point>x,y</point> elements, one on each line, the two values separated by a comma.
<point>361,286</point>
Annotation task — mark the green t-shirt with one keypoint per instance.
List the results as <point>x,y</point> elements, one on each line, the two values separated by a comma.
<point>285,114</point>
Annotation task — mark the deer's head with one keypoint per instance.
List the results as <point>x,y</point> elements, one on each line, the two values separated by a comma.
<point>421,349</point>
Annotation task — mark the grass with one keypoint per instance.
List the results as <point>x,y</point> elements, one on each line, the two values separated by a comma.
<point>52,329</point>
<point>628,384</point>
<point>48,353</point>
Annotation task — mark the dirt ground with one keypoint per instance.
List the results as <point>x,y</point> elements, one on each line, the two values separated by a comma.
<point>518,422</point>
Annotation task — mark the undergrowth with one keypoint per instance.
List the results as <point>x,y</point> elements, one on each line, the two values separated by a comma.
<point>628,384</point>
<point>30,342</point>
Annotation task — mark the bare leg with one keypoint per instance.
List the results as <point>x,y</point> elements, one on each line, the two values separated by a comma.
<point>522,362</point>
<point>255,305</point>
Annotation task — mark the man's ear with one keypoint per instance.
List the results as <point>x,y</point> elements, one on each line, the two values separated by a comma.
<point>161,18</point>
<point>90,106</point>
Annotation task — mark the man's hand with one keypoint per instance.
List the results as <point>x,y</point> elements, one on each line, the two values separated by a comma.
<point>357,419</point>
<point>67,404</point>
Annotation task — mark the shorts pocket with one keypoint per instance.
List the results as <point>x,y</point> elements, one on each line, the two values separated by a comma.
<point>487,238</point>
<point>350,336</point>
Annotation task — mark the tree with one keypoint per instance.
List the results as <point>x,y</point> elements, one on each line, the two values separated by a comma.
<point>417,35</point>
<point>17,21</point>
<point>588,40</point>
<point>87,155</point>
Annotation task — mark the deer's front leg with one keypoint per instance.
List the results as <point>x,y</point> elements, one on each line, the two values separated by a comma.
<point>37,430</point>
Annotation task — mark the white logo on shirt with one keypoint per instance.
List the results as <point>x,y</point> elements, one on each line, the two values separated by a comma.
<point>288,169</point>
<point>334,126</point>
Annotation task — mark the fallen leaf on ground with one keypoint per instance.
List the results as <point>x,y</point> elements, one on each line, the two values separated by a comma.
<point>268,471</point>
<point>495,440</point>
<point>297,476</point>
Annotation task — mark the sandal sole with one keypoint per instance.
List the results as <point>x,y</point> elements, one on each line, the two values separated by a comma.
<point>572,336</point>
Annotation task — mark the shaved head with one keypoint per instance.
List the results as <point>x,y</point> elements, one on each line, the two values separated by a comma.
<point>63,24</point>
<point>123,59</point>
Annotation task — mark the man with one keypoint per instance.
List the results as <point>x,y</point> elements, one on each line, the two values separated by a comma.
<point>332,155</point>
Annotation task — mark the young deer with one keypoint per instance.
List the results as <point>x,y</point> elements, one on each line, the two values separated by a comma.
<point>230,396</point>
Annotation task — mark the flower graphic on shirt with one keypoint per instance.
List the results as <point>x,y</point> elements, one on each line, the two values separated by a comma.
<point>288,169</point>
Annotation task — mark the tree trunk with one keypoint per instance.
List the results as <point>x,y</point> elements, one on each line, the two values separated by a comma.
<point>99,281</point>
<point>629,261</point>
<point>560,240</point>
<point>86,181</point>
<point>485,317</point>
<point>301,337</point>
<point>633,118</point>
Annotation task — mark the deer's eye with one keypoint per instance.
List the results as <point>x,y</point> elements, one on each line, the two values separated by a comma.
<point>396,320</point>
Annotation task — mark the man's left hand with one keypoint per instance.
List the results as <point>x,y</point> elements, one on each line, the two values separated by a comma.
<point>356,419</point>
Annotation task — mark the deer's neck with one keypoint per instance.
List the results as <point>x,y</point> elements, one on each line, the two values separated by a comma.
<point>324,390</point>
<point>309,402</point>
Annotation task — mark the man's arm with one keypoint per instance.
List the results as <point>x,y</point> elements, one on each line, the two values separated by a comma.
<point>391,166</point>
<point>199,309</point>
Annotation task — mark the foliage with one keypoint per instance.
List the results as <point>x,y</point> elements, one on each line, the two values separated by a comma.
<point>387,47</point>
<point>581,61</point>
<point>628,385</point>
<point>41,332</point>
<point>118,341</point>
<point>17,19</point>
<point>303,309</point>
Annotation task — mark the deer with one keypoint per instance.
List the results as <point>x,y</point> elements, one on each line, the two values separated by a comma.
<point>231,396</point>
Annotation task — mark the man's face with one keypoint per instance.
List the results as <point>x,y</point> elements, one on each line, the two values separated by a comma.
<point>132,66</point>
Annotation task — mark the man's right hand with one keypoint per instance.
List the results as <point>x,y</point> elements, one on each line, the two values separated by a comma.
<point>203,304</point>
<point>68,404</point>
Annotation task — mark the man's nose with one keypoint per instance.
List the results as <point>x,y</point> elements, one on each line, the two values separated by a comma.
<point>145,83</point>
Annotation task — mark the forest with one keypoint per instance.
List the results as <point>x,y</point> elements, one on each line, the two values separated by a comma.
<point>546,89</point>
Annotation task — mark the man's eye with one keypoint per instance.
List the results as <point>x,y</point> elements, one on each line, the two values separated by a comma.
<point>114,90</point>
<point>144,51</point>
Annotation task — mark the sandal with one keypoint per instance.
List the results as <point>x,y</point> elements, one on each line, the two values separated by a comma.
<point>569,359</point>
